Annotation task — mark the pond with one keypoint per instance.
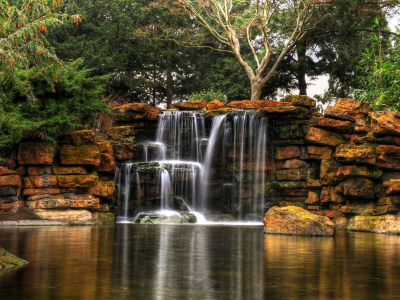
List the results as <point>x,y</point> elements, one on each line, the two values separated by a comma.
<point>131,261</point>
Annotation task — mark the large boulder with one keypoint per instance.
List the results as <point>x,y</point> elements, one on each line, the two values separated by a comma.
<point>297,221</point>
<point>324,137</point>
<point>36,153</point>
<point>377,224</point>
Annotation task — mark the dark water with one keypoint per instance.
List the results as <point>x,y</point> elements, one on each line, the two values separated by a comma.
<point>197,262</point>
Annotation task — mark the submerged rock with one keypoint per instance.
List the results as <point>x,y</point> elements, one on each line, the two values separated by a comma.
<point>220,218</point>
<point>166,218</point>
<point>8,260</point>
<point>297,221</point>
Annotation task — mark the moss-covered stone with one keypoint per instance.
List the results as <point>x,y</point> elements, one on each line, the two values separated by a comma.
<point>389,224</point>
<point>297,221</point>
<point>8,260</point>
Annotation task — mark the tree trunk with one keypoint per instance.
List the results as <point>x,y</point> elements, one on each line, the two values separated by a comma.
<point>256,89</point>
<point>301,72</point>
<point>169,75</point>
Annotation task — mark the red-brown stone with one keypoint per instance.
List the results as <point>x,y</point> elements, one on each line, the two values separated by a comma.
<point>194,104</point>
<point>152,113</point>
<point>333,214</point>
<point>40,181</point>
<point>34,171</point>
<point>107,162</point>
<point>324,137</point>
<point>13,180</point>
<point>81,137</point>
<point>69,170</point>
<point>131,112</point>
<point>313,197</point>
<point>319,153</point>
<point>295,164</point>
<point>329,195</point>
<point>359,188</point>
<point>331,124</point>
<point>10,208</point>
<point>41,191</point>
<point>36,153</point>
<point>103,189</point>
<point>6,171</point>
<point>301,100</point>
<point>215,105</point>
<point>287,152</point>
<point>392,186</point>
<point>358,171</point>
<point>385,122</point>
<point>80,155</point>
<point>362,126</point>
<point>247,104</point>
<point>355,154</point>
<point>79,181</point>
<point>295,112</point>
<point>347,109</point>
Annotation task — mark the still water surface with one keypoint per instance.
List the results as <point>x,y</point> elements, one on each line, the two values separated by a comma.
<point>129,261</point>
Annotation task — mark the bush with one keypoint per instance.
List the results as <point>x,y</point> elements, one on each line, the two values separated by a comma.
<point>71,103</point>
<point>209,95</point>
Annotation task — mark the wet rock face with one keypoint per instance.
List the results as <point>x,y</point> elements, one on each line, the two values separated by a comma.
<point>297,221</point>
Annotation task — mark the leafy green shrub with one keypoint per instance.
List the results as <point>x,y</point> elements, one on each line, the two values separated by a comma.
<point>209,95</point>
<point>70,104</point>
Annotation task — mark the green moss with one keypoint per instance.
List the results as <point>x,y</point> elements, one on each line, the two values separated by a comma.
<point>8,260</point>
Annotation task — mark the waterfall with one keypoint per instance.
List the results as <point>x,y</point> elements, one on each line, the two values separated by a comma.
<point>213,140</point>
<point>225,170</point>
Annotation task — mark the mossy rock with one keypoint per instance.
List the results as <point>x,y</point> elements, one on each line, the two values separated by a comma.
<point>8,260</point>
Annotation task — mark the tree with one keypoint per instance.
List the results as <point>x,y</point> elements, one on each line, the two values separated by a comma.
<point>266,26</point>
<point>23,44</point>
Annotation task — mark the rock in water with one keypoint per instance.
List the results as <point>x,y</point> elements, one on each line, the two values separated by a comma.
<point>8,260</point>
<point>297,221</point>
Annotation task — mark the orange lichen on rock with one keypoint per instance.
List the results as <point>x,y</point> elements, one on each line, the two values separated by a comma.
<point>36,153</point>
<point>80,155</point>
<point>215,105</point>
<point>324,137</point>
<point>194,104</point>
<point>79,181</point>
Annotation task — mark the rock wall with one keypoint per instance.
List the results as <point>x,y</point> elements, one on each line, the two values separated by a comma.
<point>344,163</point>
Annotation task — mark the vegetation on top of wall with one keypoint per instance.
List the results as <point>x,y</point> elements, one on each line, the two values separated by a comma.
<point>209,95</point>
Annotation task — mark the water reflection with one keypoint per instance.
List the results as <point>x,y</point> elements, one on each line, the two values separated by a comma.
<point>197,262</point>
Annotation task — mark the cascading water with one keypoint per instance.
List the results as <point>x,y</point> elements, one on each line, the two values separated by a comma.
<point>224,173</point>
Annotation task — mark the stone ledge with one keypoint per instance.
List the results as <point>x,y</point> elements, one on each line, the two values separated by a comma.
<point>32,223</point>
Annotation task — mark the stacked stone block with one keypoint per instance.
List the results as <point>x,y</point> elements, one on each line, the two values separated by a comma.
<point>71,182</point>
